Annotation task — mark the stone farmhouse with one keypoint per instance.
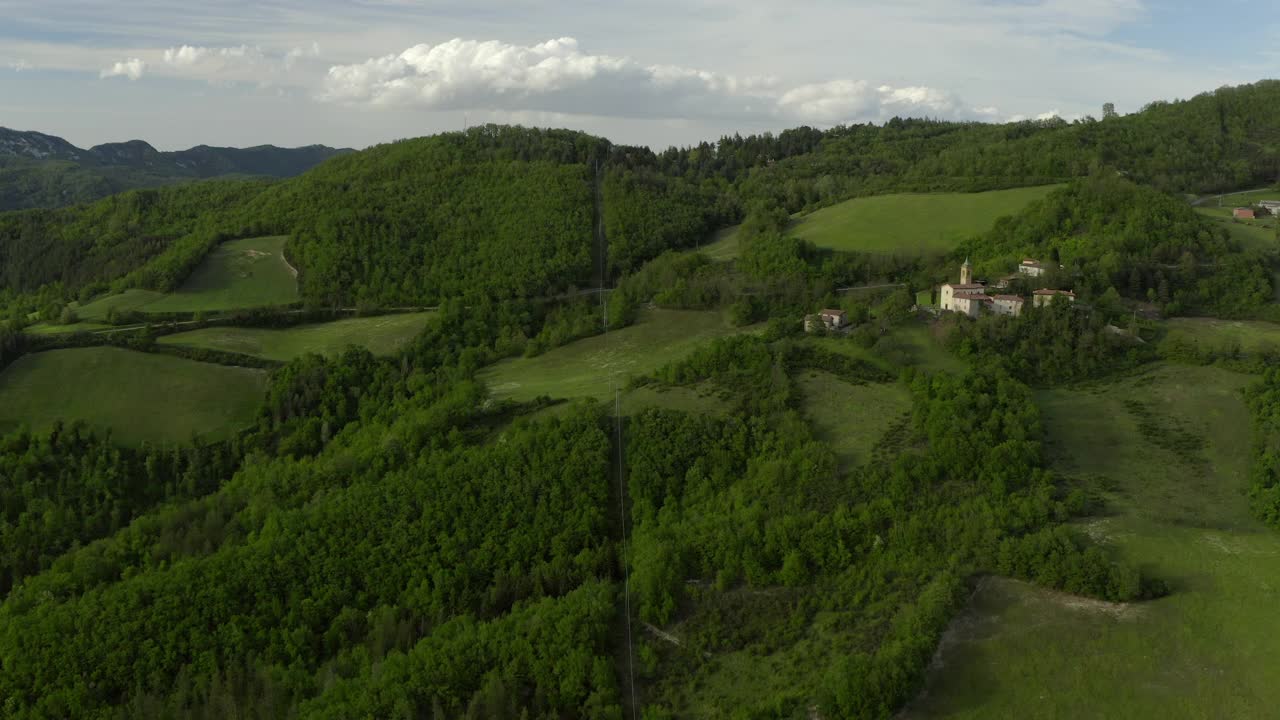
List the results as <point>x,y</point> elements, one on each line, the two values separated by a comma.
<point>831,319</point>
<point>1031,267</point>
<point>1046,296</point>
<point>1242,213</point>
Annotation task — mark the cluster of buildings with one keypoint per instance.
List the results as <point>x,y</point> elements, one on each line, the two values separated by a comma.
<point>968,297</point>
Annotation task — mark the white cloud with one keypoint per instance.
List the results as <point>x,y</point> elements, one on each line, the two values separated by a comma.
<point>132,68</point>
<point>556,76</point>
<point>20,65</point>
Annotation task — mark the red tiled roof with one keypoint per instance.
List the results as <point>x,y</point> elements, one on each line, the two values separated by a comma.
<point>1047,291</point>
<point>829,311</point>
<point>970,286</point>
<point>976,297</point>
<point>1011,298</point>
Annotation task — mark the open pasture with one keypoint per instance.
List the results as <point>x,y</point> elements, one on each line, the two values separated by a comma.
<point>382,335</point>
<point>589,367</point>
<point>137,396</point>
<point>910,223</point>
<point>237,274</point>
<point>851,418</point>
<point>1168,452</point>
<point>1212,333</point>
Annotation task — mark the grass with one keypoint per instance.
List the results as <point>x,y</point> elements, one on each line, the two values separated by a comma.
<point>1169,451</point>
<point>907,345</point>
<point>137,396</point>
<point>1250,335</point>
<point>911,223</point>
<point>851,418</point>
<point>588,367</point>
<point>237,274</point>
<point>382,335</point>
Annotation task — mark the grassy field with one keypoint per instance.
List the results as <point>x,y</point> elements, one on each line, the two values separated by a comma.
<point>1171,459</point>
<point>851,418</point>
<point>905,223</point>
<point>586,368</point>
<point>908,345</point>
<point>1251,335</point>
<point>911,223</point>
<point>138,396</point>
<point>237,274</point>
<point>382,335</point>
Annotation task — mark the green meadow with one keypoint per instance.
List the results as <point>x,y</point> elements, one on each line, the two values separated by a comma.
<point>591,366</point>
<point>1212,333</point>
<point>237,274</point>
<point>382,335</point>
<point>904,223</point>
<point>911,345</point>
<point>1168,453</point>
<point>851,418</point>
<point>911,223</point>
<point>137,396</point>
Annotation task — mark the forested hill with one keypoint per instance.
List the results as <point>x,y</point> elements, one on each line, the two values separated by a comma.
<point>38,170</point>
<point>506,212</point>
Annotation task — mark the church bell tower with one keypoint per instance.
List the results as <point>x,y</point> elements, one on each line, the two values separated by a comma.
<point>966,273</point>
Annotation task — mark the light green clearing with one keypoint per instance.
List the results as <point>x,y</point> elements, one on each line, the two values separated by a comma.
<point>1212,333</point>
<point>851,418</point>
<point>43,329</point>
<point>701,398</point>
<point>589,367</point>
<point>126,301</point>
<point>237,274</point>
<point>1209,650</point>
<point>911,345</point>
<point>138,396</point>
<point>1251,234</point>
<point>382,335</point>
<point>911,223</point>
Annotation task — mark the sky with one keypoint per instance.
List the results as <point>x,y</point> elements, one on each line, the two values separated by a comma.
<point>657,73</point>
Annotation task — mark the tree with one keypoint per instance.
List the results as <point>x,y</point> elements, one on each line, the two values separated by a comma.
<point>67,316</point>
<point>1109,111</point>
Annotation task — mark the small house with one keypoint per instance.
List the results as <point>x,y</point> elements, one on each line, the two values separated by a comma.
<point>1034,268</point>
<point>1046,296</point>
<point>1007,304</point>
<point>1242,213</point>
<point>833,319</point>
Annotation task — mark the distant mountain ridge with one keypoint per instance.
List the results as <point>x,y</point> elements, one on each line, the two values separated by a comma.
<point>40,170</point>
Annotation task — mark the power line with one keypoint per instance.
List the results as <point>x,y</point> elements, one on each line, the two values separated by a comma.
<point>617,429</point>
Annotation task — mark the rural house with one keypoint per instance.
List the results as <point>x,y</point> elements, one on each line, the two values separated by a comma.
<point>831,319</point>
<point>1046,296</point>
<point>1007,304</point>
<point>1031,267</point>
<point>1242,213</point>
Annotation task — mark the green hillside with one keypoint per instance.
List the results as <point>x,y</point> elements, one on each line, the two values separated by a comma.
<point>911,223</point>
<point>136,396</point>
<point>382,335</point>
<point>591,367</point>
<point>1171,464</point>
<point>237,274</point>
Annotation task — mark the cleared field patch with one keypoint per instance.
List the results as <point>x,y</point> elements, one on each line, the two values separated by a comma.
<point>723,245</point>
<point>851,418</point>
<point>382,335</point>
<point>587,368</point>
<point>137,396</point>
<point>237,274</point>
<point>1169,452</point>
<point>911,223</point>
<point>126,301</point>
<point>1251,234</point>
<point>908,345</point>
<point>1212,333</point>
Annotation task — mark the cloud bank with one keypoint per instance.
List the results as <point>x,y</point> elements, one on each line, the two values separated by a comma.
<point>556,76</point>
<point>132,68</point>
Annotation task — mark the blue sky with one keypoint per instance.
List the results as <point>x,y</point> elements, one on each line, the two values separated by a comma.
<point>660,72</point>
